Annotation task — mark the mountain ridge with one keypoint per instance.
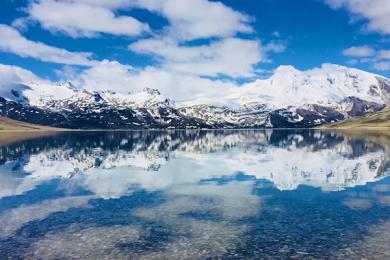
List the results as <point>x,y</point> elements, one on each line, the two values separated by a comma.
<point>289,99</point>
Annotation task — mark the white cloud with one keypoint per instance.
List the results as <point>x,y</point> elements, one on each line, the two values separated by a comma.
<point>10,76</point>
<point>14,74</point>
<point>178,86</point>
<point>188,19</point>
<point>182,63</point>
<point>378,59</point>
<point>225,54</point>
<point>195,19</point>
<point>376,12</point>
<point>111,4</point>
<point>353,62</point>
<point>382,65</point>
<point>184,87</point>
<point>15,218</point>
<point>231,56</point>
<point>12,41</point>
<point>359,51</point>
<point>107,75</point>
<point>84,18</point>
<point>384,54</point>
<point>111,75</point>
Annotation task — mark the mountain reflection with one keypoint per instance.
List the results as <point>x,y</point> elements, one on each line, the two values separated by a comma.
<point>157,160</point>
<point>189,194</point>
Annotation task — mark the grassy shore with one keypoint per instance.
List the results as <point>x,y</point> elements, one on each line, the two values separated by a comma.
<point>380,120</point>
<point>14,131</point>
<point>374,127</point>
<point>9,125</point>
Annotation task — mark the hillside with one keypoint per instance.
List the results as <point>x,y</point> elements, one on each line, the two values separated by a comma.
<point>7,124</point>
<point>377,120</point>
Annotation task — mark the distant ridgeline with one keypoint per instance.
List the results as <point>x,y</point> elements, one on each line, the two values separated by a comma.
<point>289,99</point>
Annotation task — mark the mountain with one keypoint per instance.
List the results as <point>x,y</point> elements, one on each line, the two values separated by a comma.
<point>293,98</point>
<point>290,98</point>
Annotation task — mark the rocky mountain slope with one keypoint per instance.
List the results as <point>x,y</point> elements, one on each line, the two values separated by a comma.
<point>290,98</point>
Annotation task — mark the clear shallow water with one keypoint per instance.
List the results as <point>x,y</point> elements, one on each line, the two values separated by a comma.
<point>227,194</point>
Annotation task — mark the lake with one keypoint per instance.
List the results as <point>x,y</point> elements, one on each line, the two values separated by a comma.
<point>196,194</point>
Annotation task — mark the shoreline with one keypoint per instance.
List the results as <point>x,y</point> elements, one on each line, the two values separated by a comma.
<point>38,130</point>
<point>13,136</point>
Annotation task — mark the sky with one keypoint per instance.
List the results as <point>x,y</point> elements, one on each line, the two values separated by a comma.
<point>186,48</point>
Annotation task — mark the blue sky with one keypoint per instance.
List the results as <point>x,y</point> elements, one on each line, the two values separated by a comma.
<point>187,45</point>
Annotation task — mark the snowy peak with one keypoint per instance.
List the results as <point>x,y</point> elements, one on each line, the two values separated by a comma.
<point>151,91</point>
<point>85,99</point>
<point>286,69</point>
<point>38,94</point>
<point>327,85</point>
<point>294,98</point>
<point>67,85</point>
<point>287,87</point>
<point>15,92</point>
<point>67,96</point>
<point>146,98</point>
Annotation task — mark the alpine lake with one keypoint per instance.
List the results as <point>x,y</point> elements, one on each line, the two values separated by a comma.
<point>224,194</point>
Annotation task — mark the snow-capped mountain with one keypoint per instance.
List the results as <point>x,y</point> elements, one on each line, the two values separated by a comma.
<point>289,98</point>
<point>325,86</point>
<point>300,98</point>
<point>147,98</point>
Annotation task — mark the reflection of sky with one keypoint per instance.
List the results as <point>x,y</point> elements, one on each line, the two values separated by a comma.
<point>112,173</point>
<point>204,196</point>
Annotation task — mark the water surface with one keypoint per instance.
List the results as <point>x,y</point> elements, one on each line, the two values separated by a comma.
<point>196,194</point>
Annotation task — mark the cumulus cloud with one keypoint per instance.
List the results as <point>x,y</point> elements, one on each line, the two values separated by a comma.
<point>111,4</point>
<point>179,86</point>
<point>223,54</point>
<point>376,12</point>
<point>112,75</point>
<point>359,51</point>
<point>15,74</point>
<point>384,54</point>
<point>378,59</point>
<point>376,15</point>
<point>382,65</point>
<point>12,41</point>
<point>195,19</point>
<point>10,76</point>
<point>188,19</point>
<point>231,56</point>
<point>185,68</point>
<point>383,60</point>
<point>83,18</point>
<point>107,75</point>
<point>182,65</point>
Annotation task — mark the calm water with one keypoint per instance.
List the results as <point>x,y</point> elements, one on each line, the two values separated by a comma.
<point>198,194</point>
